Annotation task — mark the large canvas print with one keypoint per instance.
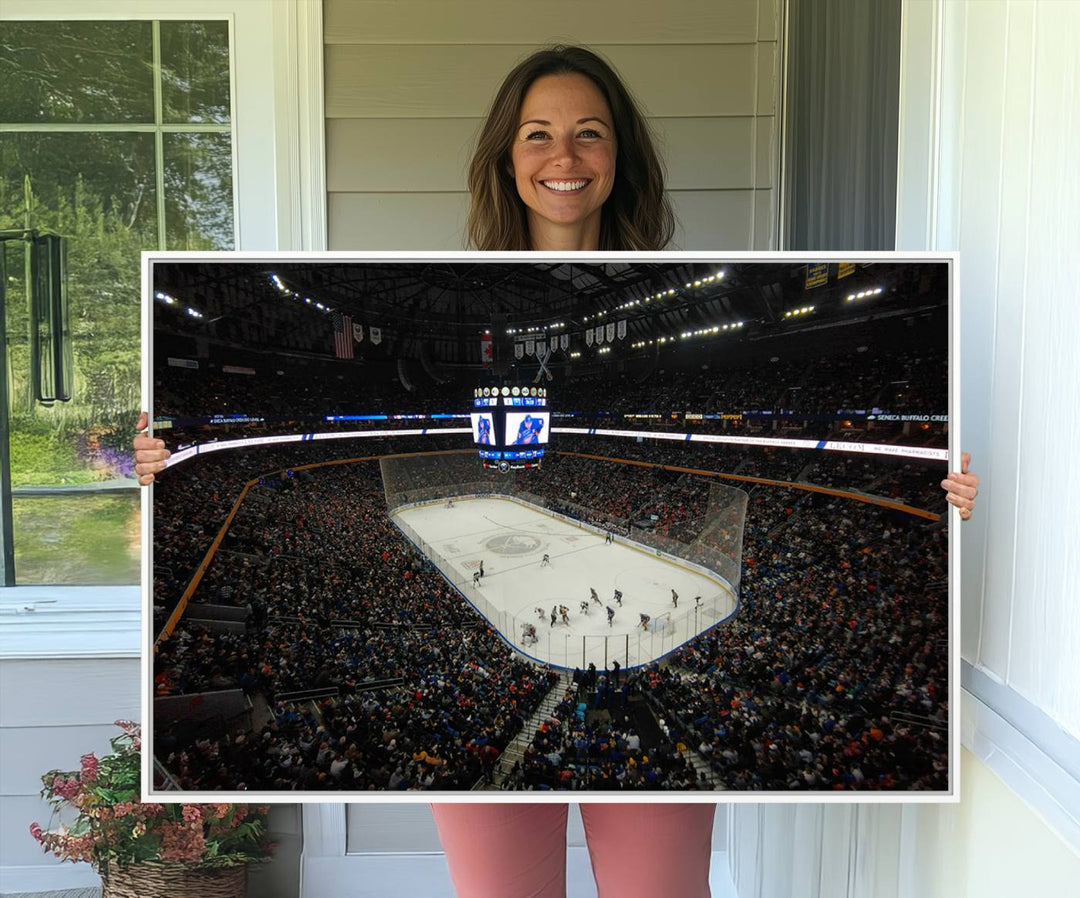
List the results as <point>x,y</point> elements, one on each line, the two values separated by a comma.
<point>435,525</point>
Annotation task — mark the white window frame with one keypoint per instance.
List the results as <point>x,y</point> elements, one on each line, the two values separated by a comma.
<point>276,87</point>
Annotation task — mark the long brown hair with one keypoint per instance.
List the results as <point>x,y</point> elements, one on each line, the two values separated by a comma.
<point>636,216</point>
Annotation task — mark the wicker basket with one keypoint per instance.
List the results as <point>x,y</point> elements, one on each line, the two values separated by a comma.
<point>174,881</point>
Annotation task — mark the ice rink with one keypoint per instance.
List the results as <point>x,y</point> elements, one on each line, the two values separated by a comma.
<point>511,540</point>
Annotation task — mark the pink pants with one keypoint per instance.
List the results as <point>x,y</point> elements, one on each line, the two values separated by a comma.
<point>519,850</point>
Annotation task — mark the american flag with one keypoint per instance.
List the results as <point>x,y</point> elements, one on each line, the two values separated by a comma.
<point>343,336</point>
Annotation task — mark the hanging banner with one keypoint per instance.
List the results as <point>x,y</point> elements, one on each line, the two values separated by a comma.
<point>554,343</point>
<point>600,334</point>
<point>816,275</point>
<point>358,332</point>
<point>622,329</point>
<point>376,335</point>
<point>564,342</point>
<point>530,347</point>
<point>519,350</point>
<point>487,355</point>
<point>342,336</point>
<point>611,332</point>
<point>589,337</point>
<point>844,269</point>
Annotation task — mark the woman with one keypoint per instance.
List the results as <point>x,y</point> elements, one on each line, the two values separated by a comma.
<point>565,162</point>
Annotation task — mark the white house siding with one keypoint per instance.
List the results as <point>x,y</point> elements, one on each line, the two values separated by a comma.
<point>408,83</point>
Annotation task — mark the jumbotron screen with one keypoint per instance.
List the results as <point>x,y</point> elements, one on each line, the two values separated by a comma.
<point>511,425</point>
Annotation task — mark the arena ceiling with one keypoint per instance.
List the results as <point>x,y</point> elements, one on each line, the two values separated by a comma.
<point>438,309</point>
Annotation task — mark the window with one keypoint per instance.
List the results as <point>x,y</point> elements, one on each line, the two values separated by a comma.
<point>118,136</point>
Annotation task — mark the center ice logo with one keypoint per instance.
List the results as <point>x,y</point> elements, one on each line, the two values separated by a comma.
<point>513,544</point>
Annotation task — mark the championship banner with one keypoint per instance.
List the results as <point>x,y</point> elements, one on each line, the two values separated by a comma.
<point>519,351</point>
<point>599,334</point>
<point>358,332</point>
<point>589,337</point>
<point>844,269</point>
<point>564,342</point>
<point>611,332</point>
<point>554,344</point>
<point>530,347</point>
<point>816,275</point>
<point>376,335</point>
<point>487,355</point>
<point>622,329</point>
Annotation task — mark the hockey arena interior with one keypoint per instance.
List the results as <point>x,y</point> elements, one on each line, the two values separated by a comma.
<point>721,565</point>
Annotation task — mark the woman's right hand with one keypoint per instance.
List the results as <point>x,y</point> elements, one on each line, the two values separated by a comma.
<point>150,453</point>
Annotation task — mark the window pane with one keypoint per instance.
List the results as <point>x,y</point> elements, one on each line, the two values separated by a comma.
<point>195,71</point>
<point>98,191</point>
<point>76,72</point>
<point>198,192</point>
<point>79,540</point>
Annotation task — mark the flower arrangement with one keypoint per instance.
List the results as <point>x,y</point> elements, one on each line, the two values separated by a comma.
<point>112,827</point>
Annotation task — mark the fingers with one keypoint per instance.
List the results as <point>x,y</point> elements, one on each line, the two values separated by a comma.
<point>962,487</point>
<point>151,456</point>
<point>966,486</point>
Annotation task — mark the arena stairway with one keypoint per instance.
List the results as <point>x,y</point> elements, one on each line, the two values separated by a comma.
<point>515,751</point>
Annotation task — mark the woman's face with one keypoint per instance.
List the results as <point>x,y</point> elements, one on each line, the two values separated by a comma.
<point>563,161</point>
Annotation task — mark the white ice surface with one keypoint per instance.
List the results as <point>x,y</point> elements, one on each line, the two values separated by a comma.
<point>511,540</point>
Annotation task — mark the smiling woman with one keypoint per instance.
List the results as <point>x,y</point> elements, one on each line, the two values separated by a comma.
<point>565,161</point>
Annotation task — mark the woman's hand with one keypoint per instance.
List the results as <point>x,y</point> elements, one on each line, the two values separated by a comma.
<point>962,487</point>
<point>150,453</point>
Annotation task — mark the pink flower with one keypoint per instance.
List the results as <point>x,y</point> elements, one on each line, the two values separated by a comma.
<point>192,813</point>
<point>36,832</point>
<point>181,842</point>
<point>65,788</point>
<point>89,768</point>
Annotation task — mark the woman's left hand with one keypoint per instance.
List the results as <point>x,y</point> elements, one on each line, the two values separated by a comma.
<point>962,487</point>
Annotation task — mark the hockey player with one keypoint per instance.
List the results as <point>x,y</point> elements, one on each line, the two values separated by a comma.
<point>540,612</point>
<point>584,607</point>
<point>594,597</point>
<point>476,578</point>
<point>553,617</point>
<point>644,624</point>
<point>674,595</point>
<point>482,572</point>
<point>618,597</point>
<point>609,538</point>
<point>565,612</point>
<point>545,561</point>
<point>610,615</point>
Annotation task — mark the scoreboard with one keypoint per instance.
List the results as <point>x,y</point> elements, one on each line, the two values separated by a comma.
<point>510,426</point>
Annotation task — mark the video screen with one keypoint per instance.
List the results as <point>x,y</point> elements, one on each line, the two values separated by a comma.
<point>527,429</point>
<point>482,428</point>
